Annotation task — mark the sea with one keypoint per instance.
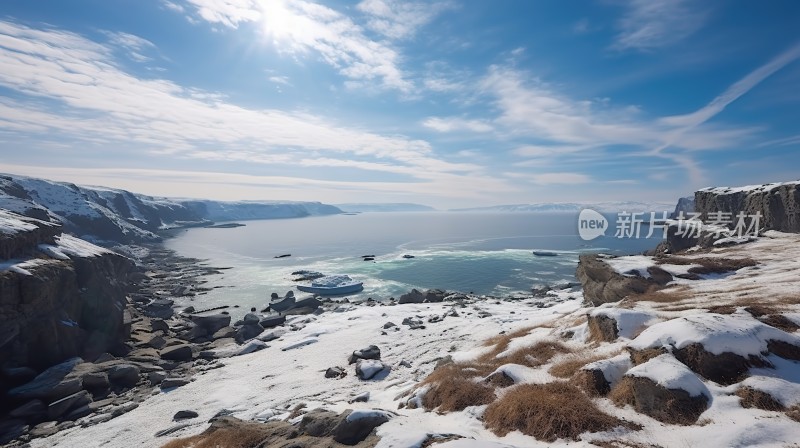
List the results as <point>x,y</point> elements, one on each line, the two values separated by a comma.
<point>479,253</point>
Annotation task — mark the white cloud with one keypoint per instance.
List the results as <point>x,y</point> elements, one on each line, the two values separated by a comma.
<point>280,80</point>
<point>560,178</point>
<point>299,27</point>
<point>133,45</point>
<point>398,19</point>
<point>651,24</point>
<point>70,89</point>
<point>455,124</point>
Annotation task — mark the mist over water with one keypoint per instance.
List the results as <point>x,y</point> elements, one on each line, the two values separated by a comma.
<point>483,253</point>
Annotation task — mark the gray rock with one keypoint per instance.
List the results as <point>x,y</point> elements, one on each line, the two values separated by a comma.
<point>157,342</point>
<point>182,352</point>
<point>60,407</point>
<point>184,415</point>
<point>434,296</point>
<point>335,372</point>
<point>79,412</point>
<point>11,429</point>
<point>272,321</point>
<point>105,357</point>
<point>222,333</point>
<point>95,381</point>
<point>18,375</point>
<point>352,432</point>
<point>602,284</point>
<point>44,429</point>
<point>156,377</point>
<point>371,352</point>
<point>169,383</point>
<point>412,297</point>
<point>159,325</point>
<point>50,384</point>
<point>367,369</point>
<point>360,398</point>
<point>388,325</point>
<point>30,409</point>
<point>251,319</point>
<point>123,375</point>
<point>247,332</point>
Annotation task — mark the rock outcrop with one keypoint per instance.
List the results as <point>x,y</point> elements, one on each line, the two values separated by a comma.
<point>602,284</point>
<point>778,204</point>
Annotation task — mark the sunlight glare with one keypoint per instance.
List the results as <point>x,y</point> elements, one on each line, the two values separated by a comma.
<point>278,19</point>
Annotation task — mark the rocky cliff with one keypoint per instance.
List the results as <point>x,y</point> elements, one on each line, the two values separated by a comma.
<point>684,207</point>
<point>778,203</point>
<point>59,297</point>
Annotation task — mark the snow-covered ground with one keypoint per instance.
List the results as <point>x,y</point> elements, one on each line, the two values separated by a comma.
<point>267,384</point>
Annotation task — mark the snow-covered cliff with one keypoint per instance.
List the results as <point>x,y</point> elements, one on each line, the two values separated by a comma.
<point>110,214</point>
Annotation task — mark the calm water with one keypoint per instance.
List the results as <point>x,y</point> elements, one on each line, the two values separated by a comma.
<point>480,253</point>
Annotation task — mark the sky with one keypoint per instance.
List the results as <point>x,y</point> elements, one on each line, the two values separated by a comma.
<point>450,103</point>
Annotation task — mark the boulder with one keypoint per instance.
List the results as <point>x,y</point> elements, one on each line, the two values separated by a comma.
<point>95,381</point>
<point>33,408</point>
<point>388,325</point>
<point>434,296</point>
<point>358,425</point>
<point>250,319</point>
<point>123,375</point>
<point>15,376</point>
<point>184,415</point>
<point>60,407</point>
<point>247,332</point>
<point>156,377</point>
<point>602,284</point>
<point>157,342</point>
<point>412,297</point>
<point>78,412</point>
<point>271,321</point>
<point>222,333</point>
<point>169,383</point>
<point>659,275</point>
<point>52,384</point>
<point>181,352</point>
<point>602,328</point>
<point>371,352</point>
<point>674,406</point>
<point>11,429</point>
<point>367,369</point>
<point>335,372</point>
<point>159,325</point>
<point>726,368</point>
<point>319,423</point>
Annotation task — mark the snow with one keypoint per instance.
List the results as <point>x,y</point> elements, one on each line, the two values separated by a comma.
<point>613,368</point>
<point>370,367</point>
<point>523,374</point>
<point>785,392</point>
<point>11,223</point>
<point>670,373</point>
<point>68,246</point>
<point>629,322</point>
<point>738,333</point>
<point>748,188</point>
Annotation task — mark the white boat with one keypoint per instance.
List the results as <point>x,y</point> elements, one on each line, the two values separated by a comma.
<point>333,285</point>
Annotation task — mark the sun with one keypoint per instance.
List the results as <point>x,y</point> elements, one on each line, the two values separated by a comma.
<point>278,20</point>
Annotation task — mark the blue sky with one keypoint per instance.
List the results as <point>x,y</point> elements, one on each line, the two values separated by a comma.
<point>450,103</point>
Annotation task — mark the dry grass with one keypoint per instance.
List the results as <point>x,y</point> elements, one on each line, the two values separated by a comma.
<point>454,387</point>
<point>241,437</point>
<point>754,398</point>
<point>297,411</point>
<point>794,413</point>
<point>571,364</point>
<point>533,356</point>
<point>547,412</point>
<point>642,356</point>
<point>710,265</point>
<point>667,295</point>
<point>502,340</point>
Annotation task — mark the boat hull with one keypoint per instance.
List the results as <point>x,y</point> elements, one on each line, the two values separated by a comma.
<point>332,290</point>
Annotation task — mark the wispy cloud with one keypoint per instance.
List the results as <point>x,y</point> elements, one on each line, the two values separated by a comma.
<point>453,124</point>
<point>68,86</point>
<point>560,178</point>
<point>399,19</point>
<point>133,45</point>
<point>651,24</point>
<point>284,80</point>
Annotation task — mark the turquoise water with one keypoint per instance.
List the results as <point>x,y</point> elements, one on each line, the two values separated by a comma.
<point>480,253</point>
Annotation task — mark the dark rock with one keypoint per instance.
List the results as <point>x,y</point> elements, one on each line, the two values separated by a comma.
<point>659,275</point>
<point>360,398</point>
<point>602,327</point>
<point>168,383</point>
<point>33,408</point>
<point>412,297</point>
<point>51,384</point>
<point>180,352</point>
<point>159,325</point>
<point>79,412</point>
<point>272,321</point>
<point>247,332</point>
<point>95,381</point>
<point>156,377</point>
<point>58,408</point>
<point>434,296</point>
<point>726,368</point>
<point>44,429</point>
<point>319,423</point>
<point>157,342</point>
<point>11,429</point>
<point>594,382</point>
<point>15,376</point>
<point>371,352</point>
<point>335,372</point>
<point>123,375</point>
<point>602,284</point>
<point>388,325</point>
<point>777,204</point>
<point>353,431</point>
<point>105,357</point>
<point>222,333</point>
<point>183,415</point>
<point>673,406</point>
<point>251,319</point>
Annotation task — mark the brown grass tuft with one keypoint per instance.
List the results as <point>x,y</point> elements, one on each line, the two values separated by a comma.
<point>547,412</point>
<point>533,356</point>
<point>754,398</point>
<point>297,411</point>
<point>794,413</point>
<point>710,265</point>
<point>642,356</point>
<point>780,322</point>
<point>247,436</point>
<point>456,394</point>
<point>667,295</point>
<point>722,309</point>
<point>571,364</point>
